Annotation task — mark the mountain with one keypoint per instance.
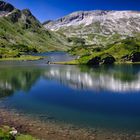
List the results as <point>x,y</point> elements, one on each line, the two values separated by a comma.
<point>96,36</point>
<point>101,34</point>
<point>21,32</point>
<point>97,27</point>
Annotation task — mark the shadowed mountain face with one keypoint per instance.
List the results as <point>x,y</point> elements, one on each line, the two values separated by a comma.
<point>6,7</point>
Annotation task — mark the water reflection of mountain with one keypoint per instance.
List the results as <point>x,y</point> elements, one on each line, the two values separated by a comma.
<point>17,79</point>
<point>121,78</point>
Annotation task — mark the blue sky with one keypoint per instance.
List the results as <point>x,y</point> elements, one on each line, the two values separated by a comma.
<point>53,9</point>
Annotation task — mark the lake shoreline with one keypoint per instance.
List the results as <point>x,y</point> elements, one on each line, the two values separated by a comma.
<point>75,63</point>
<point>31,57</point>
<point>54,131</point>
<point>41,130</point>
<point>30,88</point>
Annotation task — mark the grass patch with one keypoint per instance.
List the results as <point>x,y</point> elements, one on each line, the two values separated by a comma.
<point>118,50</point>
<point>73,62</point>
<point>22,58</point>
<point>25,137</point>
<point>5,135</point>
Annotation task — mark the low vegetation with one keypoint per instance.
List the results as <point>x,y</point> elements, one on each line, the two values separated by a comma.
<point>6,133</point>
<point>124,51</point>
<point>22,58</point>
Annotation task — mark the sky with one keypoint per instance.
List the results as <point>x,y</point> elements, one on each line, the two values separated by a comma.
<point>54,9</point>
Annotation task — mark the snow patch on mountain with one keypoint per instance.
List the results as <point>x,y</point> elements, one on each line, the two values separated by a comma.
<point>115,21</point>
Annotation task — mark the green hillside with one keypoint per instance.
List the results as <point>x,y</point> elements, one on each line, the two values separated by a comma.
<point>123,51</point>
<point>21,32</point>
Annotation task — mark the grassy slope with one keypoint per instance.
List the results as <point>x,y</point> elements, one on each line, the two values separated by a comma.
<point>15,37</point>
<point>118,50</point>
<point>99,45</point>
<point>92,34</point>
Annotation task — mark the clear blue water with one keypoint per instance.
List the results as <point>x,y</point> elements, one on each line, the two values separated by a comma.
<point>102,97</point>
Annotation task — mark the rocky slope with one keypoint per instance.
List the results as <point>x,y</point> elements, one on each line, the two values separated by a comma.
<point>101,37</point>
<point>98,27</point>
<point>5,8</point>
<point>21,32</point>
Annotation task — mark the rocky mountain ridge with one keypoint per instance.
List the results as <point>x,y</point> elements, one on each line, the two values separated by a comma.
<point>98,25</point>
<point>6,7</point>
<point>105,18</point>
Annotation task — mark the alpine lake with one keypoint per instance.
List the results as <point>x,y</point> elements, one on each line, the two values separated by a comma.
<point>105,97</point>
